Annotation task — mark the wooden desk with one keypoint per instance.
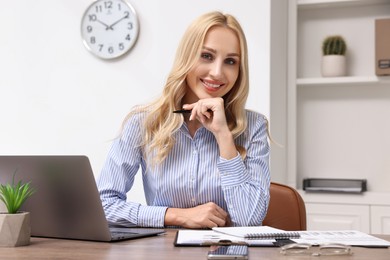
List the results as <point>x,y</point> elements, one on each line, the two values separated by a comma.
<point>158,247</point>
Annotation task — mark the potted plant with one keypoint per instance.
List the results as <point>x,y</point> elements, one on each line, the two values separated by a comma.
<point>15,229</point>
<point>333,64</point>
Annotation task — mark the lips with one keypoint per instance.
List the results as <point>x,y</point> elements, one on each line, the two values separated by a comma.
<point>212,85</point>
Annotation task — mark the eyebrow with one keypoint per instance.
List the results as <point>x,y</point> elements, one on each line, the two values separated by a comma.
<point>214,51</point>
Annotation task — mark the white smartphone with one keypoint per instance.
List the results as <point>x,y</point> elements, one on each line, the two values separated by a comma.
<point>228,252</point>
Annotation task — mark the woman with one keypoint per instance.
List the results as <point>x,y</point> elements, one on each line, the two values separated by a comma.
<point>201,169</point>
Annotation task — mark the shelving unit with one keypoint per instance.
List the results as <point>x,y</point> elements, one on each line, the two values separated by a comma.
<point>338,127</point>
<point>345,81</point>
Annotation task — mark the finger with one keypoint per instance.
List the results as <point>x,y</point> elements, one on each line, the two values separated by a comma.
<point>210,224</point>
<point>219,222</point>
<point>221,211</point>
<point>218,216</point>
<point>206,109</point>
<point>199,115</point>
<point>217,210</point>
<point>190,107</point>
<point>207,112</point>
<point>192,116</point>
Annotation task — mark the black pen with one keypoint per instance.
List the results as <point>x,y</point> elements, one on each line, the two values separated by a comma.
<point>182,111</point>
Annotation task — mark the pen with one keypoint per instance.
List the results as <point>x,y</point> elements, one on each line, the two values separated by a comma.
<point>223,242</point>
<point>183,111</point>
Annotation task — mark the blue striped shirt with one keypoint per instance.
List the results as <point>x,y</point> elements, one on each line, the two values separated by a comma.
<point>192,174</point>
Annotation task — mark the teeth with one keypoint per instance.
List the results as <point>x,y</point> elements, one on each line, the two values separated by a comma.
<point>212,85</point>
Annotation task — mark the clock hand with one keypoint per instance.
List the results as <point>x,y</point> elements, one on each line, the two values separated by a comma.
<point>124,17</point>
<point>107,27</point>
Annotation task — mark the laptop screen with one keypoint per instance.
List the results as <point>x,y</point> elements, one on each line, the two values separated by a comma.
<point>66,203</point>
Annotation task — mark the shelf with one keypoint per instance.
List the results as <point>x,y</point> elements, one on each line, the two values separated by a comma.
<point>345,81</point>
<point>312,4</point>
<point>367,198</point>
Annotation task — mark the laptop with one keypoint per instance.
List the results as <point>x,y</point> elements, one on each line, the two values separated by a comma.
<point>66,203</point>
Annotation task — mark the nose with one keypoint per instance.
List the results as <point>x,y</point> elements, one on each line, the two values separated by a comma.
<point>216,69</point>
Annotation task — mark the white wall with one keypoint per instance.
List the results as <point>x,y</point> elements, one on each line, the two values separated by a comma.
<point>57,98</point>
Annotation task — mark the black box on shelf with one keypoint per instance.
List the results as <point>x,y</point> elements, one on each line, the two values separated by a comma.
<point>382,47</point>
<point>335,185</point>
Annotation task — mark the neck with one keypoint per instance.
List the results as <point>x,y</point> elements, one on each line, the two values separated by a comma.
<point>192,125</point>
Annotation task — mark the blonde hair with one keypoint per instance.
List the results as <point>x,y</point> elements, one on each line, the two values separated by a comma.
<point>160,123</point>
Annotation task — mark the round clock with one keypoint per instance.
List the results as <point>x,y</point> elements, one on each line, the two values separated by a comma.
<point>109,28</point>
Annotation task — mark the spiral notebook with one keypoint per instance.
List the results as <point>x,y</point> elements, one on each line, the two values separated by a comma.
<point>186,237</point>
<point>257,232</point>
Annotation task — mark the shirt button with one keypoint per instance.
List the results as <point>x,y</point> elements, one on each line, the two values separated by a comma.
<point>194,152</point>
<point>193,199</point>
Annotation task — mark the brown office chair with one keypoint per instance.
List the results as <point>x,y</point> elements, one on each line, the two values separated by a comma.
<point>286,208</point>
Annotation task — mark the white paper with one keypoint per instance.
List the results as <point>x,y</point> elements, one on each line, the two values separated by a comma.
<point>200,237</point>
<point>347,237</point>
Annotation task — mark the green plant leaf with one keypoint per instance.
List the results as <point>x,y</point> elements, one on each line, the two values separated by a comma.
<point>15,195</point>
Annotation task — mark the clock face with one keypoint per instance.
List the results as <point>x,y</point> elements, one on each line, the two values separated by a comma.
<point>109,28</point>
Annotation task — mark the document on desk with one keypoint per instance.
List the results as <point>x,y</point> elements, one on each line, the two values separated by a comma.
<point>257,232</point>
<point>209,237</point>
<point>348,237</point>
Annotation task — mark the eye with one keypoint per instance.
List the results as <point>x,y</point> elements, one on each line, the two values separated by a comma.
<point>206,56</point>
<point>230,61</point>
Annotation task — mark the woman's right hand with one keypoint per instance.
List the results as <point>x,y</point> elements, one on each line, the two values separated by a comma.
<point>207,215</point>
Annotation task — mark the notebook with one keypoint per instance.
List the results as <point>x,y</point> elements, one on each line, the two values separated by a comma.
<point>257,232</point>
<point>189,237</point>
<point>66,203</point>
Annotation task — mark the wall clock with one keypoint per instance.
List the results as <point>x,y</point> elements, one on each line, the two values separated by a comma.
<point>109,28</point>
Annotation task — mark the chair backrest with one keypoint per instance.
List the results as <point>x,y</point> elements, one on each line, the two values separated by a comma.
<point>286,208</point>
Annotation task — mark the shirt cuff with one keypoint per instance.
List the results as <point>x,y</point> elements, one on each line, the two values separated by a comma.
<point>151,216</point>
<point>233,172</point>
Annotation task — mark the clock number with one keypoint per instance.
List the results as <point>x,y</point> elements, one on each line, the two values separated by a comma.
<point>121,46</point>
<point>92,17</point>
<point>130,26</point>
<point>119,6</point>
<point>110,49</point>
<point>128,37</point>
<point>98,9</point>
<point>89,28</point>
<point>101,47</point>
<point>127,14</point>
<point>108,4</point>
<point>92,40</point>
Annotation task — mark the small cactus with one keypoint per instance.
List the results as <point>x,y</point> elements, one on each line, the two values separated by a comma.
<point>334,45</point>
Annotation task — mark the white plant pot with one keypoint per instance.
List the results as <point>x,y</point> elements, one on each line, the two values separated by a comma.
<point>15,229</point>
<point>333,66</point>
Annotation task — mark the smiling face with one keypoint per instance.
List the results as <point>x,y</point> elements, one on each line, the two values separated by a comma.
<point>217,69</point>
